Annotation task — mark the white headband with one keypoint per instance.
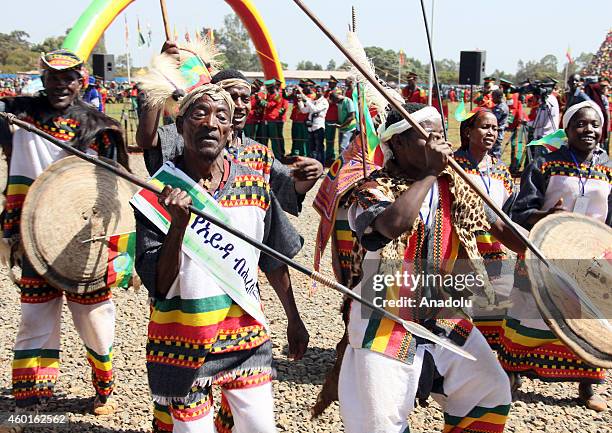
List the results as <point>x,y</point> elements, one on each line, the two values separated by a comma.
<point>419,116</point>
<point>231,82</point>
<point>213,90</point>
<point>571,111</point>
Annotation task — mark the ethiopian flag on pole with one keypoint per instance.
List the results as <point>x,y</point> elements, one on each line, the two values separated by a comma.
<point>121,253</point>
<point>365,122</point>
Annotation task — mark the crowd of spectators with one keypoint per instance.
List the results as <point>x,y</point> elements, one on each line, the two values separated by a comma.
<point>601,64</point>
<point>13,86</point>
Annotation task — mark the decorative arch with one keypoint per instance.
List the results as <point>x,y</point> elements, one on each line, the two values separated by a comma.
<point>101,13</point>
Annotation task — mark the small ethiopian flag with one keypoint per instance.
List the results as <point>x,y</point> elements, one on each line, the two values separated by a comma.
<point>121,253</point>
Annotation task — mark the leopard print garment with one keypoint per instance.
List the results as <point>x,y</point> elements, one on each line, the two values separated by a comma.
<point>467,217</point>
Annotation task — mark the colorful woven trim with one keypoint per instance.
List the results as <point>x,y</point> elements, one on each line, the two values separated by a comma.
<point>489,247</point>
<point>102,371</point>
<point>224,421</point>
<point>491,329</point>
<point>91,298</point>
<point>457,330</point>
<point>59,127</point>
<point>568,168</point>
<point>60,60</point>
<point>16,192</point>
<point>539,353</point>
<point>194,411</point>
<point>245,379</point>
<point>478,420</point>
<point>35,372</point>
<point>37,291</point>
<point>256,156</point>
<point>162,420</point>
<point>345,241</point>
<point>498,170</point>
<point>252,190</point>
<point>183,331</point>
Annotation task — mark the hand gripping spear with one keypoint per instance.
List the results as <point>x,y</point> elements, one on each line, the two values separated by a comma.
<point>563,279</point>
<point>412,327</point>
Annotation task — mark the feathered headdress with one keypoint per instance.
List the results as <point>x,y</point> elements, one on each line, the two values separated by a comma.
<point>168,80</point>
<point>374,98</point>
<point>378,151</point>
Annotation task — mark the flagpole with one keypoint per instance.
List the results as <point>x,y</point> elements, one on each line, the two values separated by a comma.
<point>568,55</point>
<point>127,51</point>
<point>399,71</point>
<point>362,132</point>
<point>431,65</point>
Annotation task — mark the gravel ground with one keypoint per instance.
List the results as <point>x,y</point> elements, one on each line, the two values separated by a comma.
<point>538,408</point>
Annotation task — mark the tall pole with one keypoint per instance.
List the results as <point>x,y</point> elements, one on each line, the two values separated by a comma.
<point>127,50</point>
<point>432,69</point>
<point>164,12</point>
<point>431,65</point>
<point>399,72</point>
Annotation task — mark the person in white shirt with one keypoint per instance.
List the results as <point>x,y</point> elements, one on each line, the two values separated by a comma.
<point>316,109</point>
<point>545,122</point>
<point>547,118</point>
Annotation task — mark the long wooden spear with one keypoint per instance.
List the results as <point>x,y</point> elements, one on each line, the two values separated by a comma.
<point>164,11</point>
<point>363,136</point>
<point>412,327</point>
<point>563,279</point>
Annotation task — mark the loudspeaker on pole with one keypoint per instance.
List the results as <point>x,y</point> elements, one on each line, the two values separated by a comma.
<point>472,67</point>
<point>103,66</point>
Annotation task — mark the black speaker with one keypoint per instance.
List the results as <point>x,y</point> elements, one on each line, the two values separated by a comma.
<point>103,66</point>
<point>472,67</point>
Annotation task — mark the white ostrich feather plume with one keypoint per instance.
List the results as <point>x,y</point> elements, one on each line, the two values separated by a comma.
<point>373,96</point>
<point>162,80</point>
<point>205,50</point>
<point>164,77</point>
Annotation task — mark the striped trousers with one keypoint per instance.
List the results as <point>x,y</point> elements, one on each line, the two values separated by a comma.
<point>37,346</point>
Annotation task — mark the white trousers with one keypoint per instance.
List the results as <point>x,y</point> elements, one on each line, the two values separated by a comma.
<point>377,393</point>
<point>252,411</point>
<point>40,326</point>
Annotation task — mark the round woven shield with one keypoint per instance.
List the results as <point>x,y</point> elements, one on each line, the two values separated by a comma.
<point>578,309</point>
<point>70,202</point>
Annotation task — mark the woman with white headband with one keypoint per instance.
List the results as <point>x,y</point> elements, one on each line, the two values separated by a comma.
<point>414,218</point>
<point>575,178</point>
<point>479,131</point>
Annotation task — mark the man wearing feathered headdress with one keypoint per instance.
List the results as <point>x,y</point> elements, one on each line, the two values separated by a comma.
<point>207,327</point>
<point>60,112</point>
<point>289,184</point>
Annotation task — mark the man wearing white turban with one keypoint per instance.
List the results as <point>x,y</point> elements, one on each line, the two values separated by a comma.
<point>413,218</point>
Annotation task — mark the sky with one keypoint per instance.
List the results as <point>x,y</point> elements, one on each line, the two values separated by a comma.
<point>508,31</point>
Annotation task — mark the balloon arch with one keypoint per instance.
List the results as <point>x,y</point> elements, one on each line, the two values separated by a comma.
<point>101,13</point>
